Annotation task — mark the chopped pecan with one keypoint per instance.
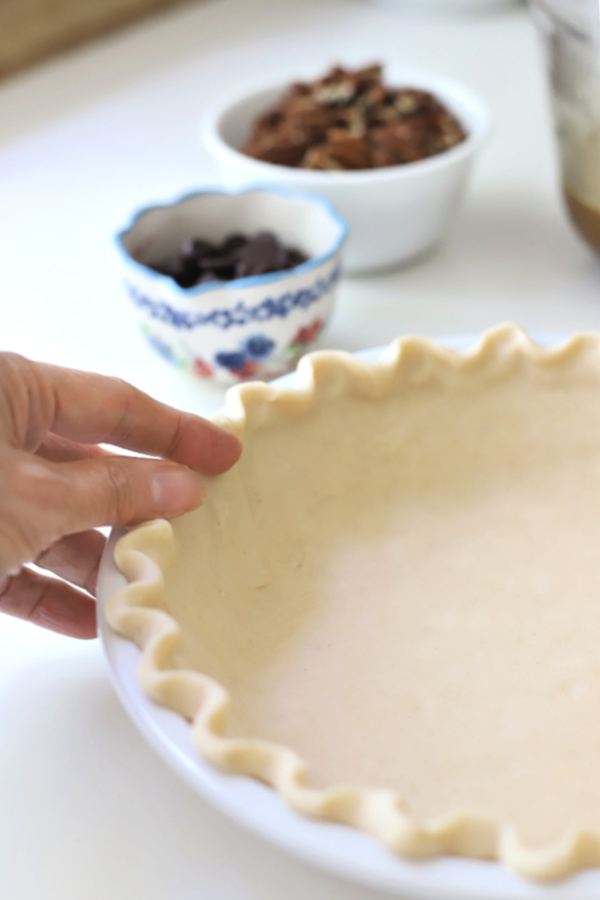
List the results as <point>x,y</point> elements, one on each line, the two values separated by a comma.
<point>291,155</point>
<point>406,102</point>
<point>351,120</point>
<point>375,95</point>
<point>351,152</point>
<point>320,157</point>
<point>394,144</point>
<point>336,93</point>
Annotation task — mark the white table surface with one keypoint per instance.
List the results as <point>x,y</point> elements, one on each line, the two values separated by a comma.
<point>86,809</point>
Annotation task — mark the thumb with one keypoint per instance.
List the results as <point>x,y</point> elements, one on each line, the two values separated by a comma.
<point>121,490</point>
<point>41,501</point>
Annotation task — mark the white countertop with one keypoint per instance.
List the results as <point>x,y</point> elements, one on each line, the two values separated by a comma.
<point>86,809</point>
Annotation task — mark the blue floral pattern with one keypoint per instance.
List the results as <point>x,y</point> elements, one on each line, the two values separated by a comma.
<point>258,346</point>
<point>241,314</point>
<point>231,360</point>
<point>245,362</point>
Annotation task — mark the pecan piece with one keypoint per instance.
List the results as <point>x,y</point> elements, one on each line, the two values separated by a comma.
<point>291,155</point>
<point>395,143</point>
<point>351,120</point>
<point>319,157</point>
<point>351,152</point>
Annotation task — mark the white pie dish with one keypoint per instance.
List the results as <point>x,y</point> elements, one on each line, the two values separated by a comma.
<point>336,848</point>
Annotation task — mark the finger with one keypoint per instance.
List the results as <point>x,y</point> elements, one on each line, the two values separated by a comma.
<point>42,501</point>
<point>50,603</point>
<point>76,558</point>
<point>120,490</point>
<point>59,449</point>
<point>94,409</point>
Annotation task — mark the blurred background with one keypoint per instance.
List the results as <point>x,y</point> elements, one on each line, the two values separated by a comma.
<point>34,30</point>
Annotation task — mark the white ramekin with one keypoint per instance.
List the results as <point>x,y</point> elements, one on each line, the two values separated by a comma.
<point>394,213</point>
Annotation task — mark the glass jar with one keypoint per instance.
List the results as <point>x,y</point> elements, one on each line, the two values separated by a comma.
<point>570,30</point>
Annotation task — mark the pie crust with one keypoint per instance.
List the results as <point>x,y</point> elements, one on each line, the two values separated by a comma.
<point>389,609</point>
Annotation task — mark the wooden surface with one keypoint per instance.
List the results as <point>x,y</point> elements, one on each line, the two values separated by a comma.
<point>32,30</point>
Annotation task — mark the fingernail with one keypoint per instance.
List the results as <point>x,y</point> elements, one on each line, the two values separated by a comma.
<point>176,490</point>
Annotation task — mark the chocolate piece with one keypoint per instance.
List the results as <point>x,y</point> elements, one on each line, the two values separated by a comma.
<point>238,256</point>
<point>351,120</point>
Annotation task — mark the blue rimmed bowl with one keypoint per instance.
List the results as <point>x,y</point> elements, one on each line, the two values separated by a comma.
<point>248,328</point>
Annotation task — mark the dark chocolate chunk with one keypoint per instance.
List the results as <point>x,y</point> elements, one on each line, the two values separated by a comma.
<point>237,256</point>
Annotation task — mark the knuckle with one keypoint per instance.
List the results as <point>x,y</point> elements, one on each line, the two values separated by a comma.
<point>175,439</point>
<point>126,397</point>
<point>123,391</point>
<point>13,365</point>
<point>121,497</point>
<point>27,399</point>
<point>36,612</point>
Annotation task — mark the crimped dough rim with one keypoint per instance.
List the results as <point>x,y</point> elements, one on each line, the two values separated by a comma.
<point>134,611</point>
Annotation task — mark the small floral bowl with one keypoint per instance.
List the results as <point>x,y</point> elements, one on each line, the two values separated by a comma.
<point>248,328</point>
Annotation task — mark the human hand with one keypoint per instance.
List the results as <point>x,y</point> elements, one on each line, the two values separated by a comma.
<point>57,485</point>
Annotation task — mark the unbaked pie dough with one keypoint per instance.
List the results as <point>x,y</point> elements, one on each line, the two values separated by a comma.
<point>389,609</point>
